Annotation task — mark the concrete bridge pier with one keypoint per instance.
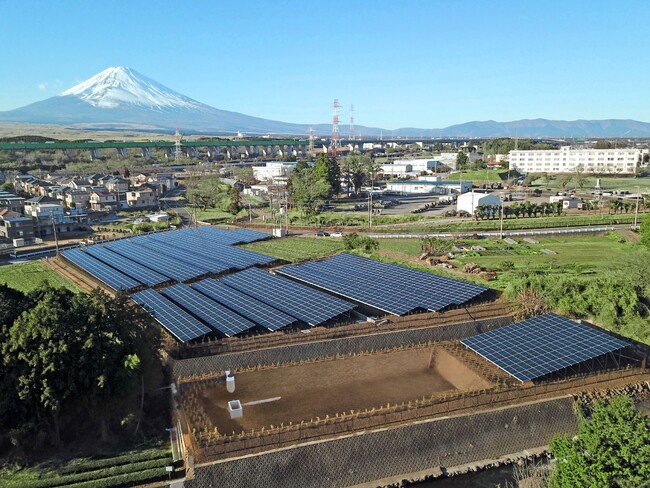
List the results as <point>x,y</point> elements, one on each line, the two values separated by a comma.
<point>94,154</point>
<point>121,152</point>
<point>146,152</point>
<point>169,152</point>
<point>228,153</point>
<point>264,153</point>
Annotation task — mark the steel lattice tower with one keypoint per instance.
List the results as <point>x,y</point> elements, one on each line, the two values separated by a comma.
<point>177,146</point>
<point>336,136</point>
<point>352,122</point>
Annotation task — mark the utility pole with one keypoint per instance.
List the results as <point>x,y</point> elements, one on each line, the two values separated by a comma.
<point>56,240</point>
<point>636,212</point>
<point>501,225</point>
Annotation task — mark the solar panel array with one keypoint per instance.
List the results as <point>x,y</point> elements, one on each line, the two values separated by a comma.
<point>212,313</point>
<point>259,312</point>
<point>311,306</point>
<point>101,271</point>
<point>542,345</point>
<point>135,270</point>
<point>173,318</point>
<point>387,287</point>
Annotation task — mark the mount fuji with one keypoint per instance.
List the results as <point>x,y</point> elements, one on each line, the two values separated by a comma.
<point>120,97</point>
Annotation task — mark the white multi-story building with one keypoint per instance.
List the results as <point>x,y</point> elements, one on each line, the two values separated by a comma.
<point>272,170</point>
<point>568,160</point>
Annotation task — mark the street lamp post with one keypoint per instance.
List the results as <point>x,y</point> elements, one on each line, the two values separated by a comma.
<point>636,212</point>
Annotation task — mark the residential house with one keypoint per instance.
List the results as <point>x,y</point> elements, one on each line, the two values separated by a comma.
<point>103,200</point>
<point>44,208</point>
<point>12,202</point>
<point>77,199</point>
<point>116,184</point>
<point>143,196</point>
<point>16,228</point>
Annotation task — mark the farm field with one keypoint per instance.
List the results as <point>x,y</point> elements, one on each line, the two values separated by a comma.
<point>29,275</point>
<point>329,387</point>
<point>296,249</point>
<point>125,469</point>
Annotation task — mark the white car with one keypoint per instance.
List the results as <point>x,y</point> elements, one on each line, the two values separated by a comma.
<point>336,234</point>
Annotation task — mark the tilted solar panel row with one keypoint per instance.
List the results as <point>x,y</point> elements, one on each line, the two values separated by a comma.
<point>134,270</point>
<point>542,345</point>
<point>203,263</point>
<point>101,271</point>
<point>245,305</point>
<point>212,313</point>
<point>163,264</point>
<point>311,306</point>
<point>173,318</point>
<point>387,287</point>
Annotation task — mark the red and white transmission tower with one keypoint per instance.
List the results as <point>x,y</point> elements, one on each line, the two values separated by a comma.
<point>311,139</point>
<point>336,137</point>
<point>352,122</point>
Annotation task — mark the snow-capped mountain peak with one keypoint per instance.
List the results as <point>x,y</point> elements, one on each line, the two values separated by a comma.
<point>118,87</point>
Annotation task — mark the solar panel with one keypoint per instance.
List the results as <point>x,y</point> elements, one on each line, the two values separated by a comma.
<point>163,264</point>
<point>247,306</point>
<point>101,271</point>
<point>212,313</point>
<point>206,265</point>
<point>173,318</point>
<point>387,287</point>
<point>542,345</point>
<point>134,270</point>
<point>311,306</point>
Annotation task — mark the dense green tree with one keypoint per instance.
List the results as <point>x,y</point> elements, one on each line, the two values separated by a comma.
<point>361,243</point>
<point>309,191</point>
<point>462,160</point>
<point>612,448</point>
<point>70,355</point>
<point>212,192</point>
<point>355,169</point>
<point>327,168</point>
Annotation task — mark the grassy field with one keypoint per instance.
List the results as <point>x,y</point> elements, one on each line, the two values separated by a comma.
<point>126,469</point>
<point>29,275</point>
<point>296,249</point>
<point>574,255</point>
<point>606,183</point>
<point>479,176</point>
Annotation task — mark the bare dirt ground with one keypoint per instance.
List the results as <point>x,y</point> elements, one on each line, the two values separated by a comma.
<point>328,387</point>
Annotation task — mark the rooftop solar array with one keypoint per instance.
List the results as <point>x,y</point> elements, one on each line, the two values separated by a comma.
<point>311,306</point>
<point>100,270</point>
<point>542,345</point>
<point>245,305</point>
<point>212,313</point>
<point>387,287</point>
<point>173,318</point>
<point>135,270</point>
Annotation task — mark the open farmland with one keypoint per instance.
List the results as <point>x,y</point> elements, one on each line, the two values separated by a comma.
<point>296,249</point>
<point>29,275</point>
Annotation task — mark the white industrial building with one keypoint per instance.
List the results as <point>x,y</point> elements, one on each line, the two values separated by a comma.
<point>272,170</point>
<point>428,187</point>
<point>470,200</point>
<point>409,167</point>
<point>567,159</point>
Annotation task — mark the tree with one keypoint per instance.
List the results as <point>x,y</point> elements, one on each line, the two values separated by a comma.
<point>70,356</point>
<point>355,168</point>
<point>644,229</point>
<point>309,192</point>
<point>433,246</point>
<point>461,160</point>
<point>327,168</point>
<point>612,448</point>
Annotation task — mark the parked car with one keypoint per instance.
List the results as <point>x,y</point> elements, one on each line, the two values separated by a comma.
<point>322,233</point>
<point>336,234</point>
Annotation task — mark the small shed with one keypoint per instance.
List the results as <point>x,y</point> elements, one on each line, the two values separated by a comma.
<point>470,200</point>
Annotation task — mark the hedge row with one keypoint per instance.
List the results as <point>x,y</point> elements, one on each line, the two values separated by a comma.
<point>98,475</point>
<point>90,464</point>
<point>123,480</point>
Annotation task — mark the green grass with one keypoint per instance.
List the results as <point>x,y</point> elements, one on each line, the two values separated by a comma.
<point>28,276</point>
<point>296,249</point>
<point>211,214</point>
<point>574,254</point>
<point>480,175</point>
<point>606,183</point>
<point>125,469</point>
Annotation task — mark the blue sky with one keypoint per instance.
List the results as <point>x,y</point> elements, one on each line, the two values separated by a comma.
<point>402,63</point>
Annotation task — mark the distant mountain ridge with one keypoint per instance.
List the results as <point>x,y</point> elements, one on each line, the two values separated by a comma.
<point>120,97</point>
